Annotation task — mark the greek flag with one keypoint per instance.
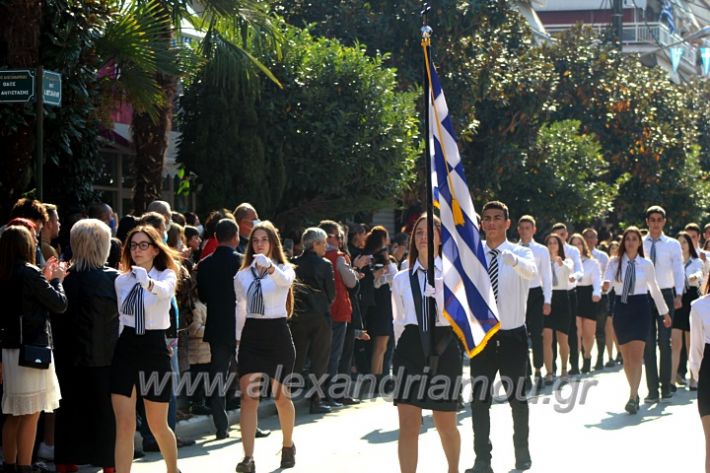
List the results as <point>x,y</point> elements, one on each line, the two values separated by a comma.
<point>667,14</point>
<point>469,303</point>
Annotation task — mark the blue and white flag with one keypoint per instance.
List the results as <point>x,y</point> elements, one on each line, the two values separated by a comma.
<point>676,55</point>
<point>667,15</point>
<point>469,303</point>
<point>705,56</point>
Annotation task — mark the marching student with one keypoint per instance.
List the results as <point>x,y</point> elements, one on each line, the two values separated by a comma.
<point>665,253</point>
<point>681,322</point>
<point>561,230</point>
<point>558,321</point>
<point>264,291</point>
<point>609,335</point>
<point>699,362</point>
<point>410,289</point>
<point>592,238</point>
<point>511,268</point>
<point>589,293</point>
<point>632,276</point>
<point>539,295</point>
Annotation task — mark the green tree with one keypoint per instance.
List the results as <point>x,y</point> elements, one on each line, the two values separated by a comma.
<point>336,139</point>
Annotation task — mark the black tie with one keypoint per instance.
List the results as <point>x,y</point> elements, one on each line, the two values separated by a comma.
<point>493,271</point>
<point>423,307</point>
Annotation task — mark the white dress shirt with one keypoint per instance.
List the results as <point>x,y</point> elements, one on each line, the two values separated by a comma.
<point>602,258</point>
<point>156,301</point>
<point>578,272</point>
<point>592,276</point>
<point>403,310</point>
<point>563,271</point>
<point>274,289</point>
<point>513,284</point>
<point>544,271</point>
<point>645,280</point>
<point>693,268</point>
<point>699,333</point>
<point>669,262</point>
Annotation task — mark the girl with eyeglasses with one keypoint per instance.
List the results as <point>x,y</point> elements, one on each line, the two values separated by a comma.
<point>143,291</point>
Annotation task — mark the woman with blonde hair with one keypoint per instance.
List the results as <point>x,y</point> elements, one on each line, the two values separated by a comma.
<point>28,295</point>
<point>264,290</point>
<point>84,343</point>
<point>144,292</point>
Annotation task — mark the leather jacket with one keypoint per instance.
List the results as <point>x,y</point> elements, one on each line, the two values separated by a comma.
<point>28,295</point>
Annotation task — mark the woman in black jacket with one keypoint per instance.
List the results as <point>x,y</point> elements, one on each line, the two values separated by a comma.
<point>85,338</point>
<point>29,295</point>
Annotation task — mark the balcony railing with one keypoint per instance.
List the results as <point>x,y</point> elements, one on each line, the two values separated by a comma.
<point>652,33</point>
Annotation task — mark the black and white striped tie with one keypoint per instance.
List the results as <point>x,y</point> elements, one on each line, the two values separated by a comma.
<point>629,281</point>
<point>493,271</point>
<point>134,305</point>
<point>255,298</point>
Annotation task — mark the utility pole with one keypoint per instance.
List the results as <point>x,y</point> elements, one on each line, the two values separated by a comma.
<point>617,22</point>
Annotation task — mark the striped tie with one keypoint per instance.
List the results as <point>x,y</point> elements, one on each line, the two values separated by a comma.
<point>554,274</point>
<point>493,271</point>
<point>134,305</point>
<point>255,298</point>
<point>629,281</point>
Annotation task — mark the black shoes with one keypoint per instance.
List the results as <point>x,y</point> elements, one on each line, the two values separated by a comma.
<point>632,407</point>
<point>480,466</point>
<point>522,459</point>
<point>666,394</point>
<point>586,365</point>
<point>184,443</point>
<point>610,364</point>
<point>349,401</point>
<point>261,433</point>
<point>574,371</point>
<point>222,435</point>
<point>600,364</point>
<point>200,410</point>
<point>652,398</point>
<point>333,404</point>
<point>318,407</point>
<point>288,456</point>
<point>246,466</point>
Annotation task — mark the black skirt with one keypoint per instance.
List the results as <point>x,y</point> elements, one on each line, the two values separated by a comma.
<point>681,319</point>
<point>266,347</point>
<point>559,318</point>
<point>378,318</point>
<point>632,321</point>
<point>143,362</point>
<point>586,307</point>
<point>436,393</point>
<point>704,384</point>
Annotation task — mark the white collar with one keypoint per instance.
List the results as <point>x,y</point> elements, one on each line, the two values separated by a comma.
<point>437,264</point>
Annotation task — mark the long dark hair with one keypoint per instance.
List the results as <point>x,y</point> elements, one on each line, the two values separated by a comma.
<point>413,252</point>
<point>622,248</point>
<point>16,244</point>
<point>165,259</point>
<point>277,253</point>
<point>560,244</point>
<point>691,248</point>
<point>375,240</point>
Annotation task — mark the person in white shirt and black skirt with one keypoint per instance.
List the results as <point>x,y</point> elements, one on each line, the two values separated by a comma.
<point>558,322</point>
<point>633,277</point>
<point>411,302</point>
<point>143,291</point>
<point>264,290</point>
<point>699,362</point>
<point>693,268</point>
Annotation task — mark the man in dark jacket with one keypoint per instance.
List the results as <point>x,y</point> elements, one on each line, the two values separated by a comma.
<point>310,325</point>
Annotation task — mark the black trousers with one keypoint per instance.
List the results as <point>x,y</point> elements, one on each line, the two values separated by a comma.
<point>507,353</point>
<point>658,334</point>
<point>534,320</point>
<point>223,355</point>
<point>346,358</point>
<point>572,334</point>
<point>600,333</point>
<point>312,335</point>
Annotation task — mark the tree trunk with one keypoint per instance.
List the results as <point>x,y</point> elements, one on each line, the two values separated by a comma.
<point>20,22</point>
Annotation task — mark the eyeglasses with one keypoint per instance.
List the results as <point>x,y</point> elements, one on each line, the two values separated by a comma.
<point>144,245</point>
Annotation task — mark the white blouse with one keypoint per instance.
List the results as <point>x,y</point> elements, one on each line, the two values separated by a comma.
<point>592,276</point>
<point>645,280</point>
<point>274,289</point>
<point>699,333</point>
<point>156,302</point>
<point>563,273</point>
<point>403,311</point>
<point>694,269</point>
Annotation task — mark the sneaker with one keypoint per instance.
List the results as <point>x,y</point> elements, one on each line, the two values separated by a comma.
<point>46,452</point>
<point>651,398</point>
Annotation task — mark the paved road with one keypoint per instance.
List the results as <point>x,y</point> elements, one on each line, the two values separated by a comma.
<point>597,436</point>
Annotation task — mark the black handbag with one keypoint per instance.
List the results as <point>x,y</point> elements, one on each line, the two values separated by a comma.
<point>34,356</point>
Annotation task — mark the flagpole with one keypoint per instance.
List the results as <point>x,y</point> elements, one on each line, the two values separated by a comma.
<point>426,35</point>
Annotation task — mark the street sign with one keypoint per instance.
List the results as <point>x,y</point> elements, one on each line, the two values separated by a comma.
<point>52,88</point>
<point>17,85</point>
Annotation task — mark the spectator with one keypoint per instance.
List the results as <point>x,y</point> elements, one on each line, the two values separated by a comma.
<point>50,231</point>
<point>29,295</point>
<point>246,217</point>
<point>210,240</point>
<point>178,218</point>
<point>84,343</point>
<point>34,211</point>
<point>127,223</point>
<point>193,242</point>
<point>163,208</point>
<point>199,356</point>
